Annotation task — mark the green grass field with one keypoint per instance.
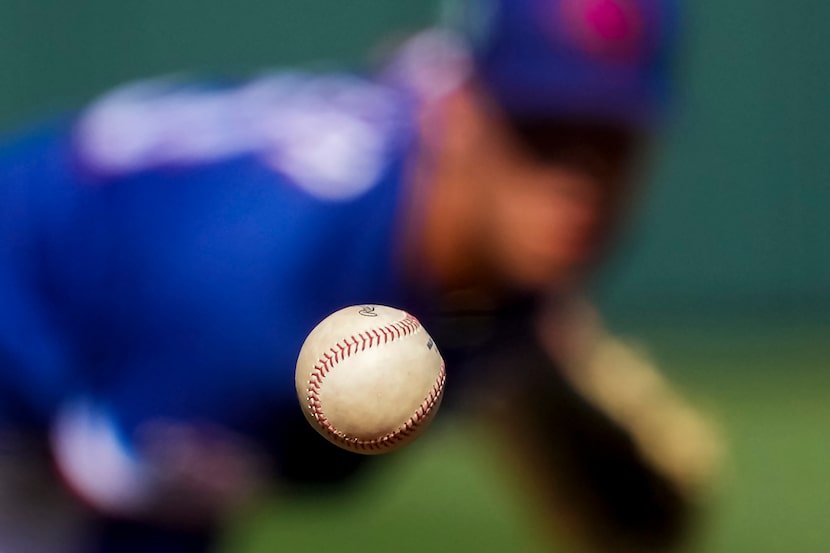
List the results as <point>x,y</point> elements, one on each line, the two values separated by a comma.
<point>768,387</point>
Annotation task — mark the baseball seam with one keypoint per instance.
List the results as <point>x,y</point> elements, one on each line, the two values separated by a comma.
<point>345,349</point>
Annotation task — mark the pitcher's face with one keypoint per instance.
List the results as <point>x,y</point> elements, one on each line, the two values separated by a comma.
<point>551,194</point>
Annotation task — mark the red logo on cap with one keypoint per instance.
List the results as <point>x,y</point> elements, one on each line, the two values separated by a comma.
<point>608,28</point>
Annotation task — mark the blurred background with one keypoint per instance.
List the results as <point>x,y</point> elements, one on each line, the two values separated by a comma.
<point>724,274</point>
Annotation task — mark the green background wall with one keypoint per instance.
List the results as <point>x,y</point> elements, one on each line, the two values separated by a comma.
<point>738,216</point>
<point>735,221</point>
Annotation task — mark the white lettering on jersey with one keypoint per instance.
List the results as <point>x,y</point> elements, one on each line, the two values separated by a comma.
<point>329,134</point>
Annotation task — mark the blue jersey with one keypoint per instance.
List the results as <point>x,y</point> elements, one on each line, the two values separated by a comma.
<point>169,248</point>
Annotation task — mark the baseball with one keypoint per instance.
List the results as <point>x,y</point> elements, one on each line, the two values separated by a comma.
<point>369,378</point>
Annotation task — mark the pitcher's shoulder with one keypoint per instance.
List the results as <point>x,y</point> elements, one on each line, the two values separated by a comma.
<point>331,134</point>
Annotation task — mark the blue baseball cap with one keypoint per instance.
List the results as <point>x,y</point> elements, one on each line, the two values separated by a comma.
<point>601,59</point>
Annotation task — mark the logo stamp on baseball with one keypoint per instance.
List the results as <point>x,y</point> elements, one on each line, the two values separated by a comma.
<point>370,378</point>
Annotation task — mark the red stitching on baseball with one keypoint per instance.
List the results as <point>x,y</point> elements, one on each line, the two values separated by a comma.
<point>372,337</point>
